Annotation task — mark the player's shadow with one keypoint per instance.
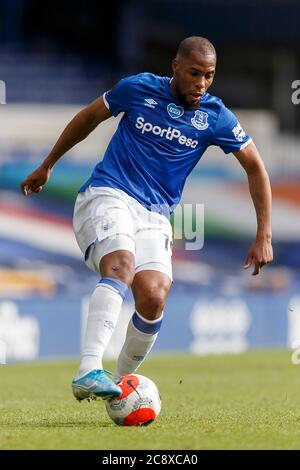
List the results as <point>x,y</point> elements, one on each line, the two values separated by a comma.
<point>82,425</point>
<point>58,424</point>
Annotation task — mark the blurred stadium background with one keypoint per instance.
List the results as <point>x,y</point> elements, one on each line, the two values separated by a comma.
<point>56,58</point>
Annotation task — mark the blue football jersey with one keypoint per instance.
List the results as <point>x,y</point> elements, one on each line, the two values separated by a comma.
<point>158,141</point>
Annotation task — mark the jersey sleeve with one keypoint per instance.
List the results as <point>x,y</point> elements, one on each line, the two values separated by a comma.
<point>228,133</point>
<point>119,98</point>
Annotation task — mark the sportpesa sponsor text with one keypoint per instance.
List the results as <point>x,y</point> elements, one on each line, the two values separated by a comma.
<point>168,132</point>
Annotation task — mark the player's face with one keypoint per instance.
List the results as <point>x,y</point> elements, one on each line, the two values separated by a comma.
<point>192,76</point>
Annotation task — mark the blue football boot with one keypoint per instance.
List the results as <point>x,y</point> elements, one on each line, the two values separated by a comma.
<point>95,384</point>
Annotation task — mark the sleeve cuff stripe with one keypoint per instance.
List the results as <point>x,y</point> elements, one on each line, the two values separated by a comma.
<point>105,101</point>
<point>245,144</point>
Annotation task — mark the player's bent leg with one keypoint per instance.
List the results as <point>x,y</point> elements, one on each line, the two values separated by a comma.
<point>104,230</point>
<point>118,265</point>
<point>150,289</point>
<point>117,270</point>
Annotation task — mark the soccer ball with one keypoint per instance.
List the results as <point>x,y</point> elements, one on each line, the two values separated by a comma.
<point>139,403</point>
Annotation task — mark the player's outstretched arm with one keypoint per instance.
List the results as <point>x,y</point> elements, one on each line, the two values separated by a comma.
<point>261,251</point>
<point>77,130</point>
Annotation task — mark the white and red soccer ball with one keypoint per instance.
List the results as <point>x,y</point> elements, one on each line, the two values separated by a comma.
<point>139,403</point>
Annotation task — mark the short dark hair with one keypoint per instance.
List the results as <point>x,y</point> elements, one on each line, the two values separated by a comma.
<point>196,43</point>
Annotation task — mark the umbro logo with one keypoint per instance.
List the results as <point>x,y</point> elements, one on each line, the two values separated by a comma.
<point>151,103</point>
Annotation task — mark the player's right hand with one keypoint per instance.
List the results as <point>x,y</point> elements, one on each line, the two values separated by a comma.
<point>35,181</point>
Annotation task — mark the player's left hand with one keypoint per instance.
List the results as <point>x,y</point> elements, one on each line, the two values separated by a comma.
<point>35,181</point>
<point>261,253</point>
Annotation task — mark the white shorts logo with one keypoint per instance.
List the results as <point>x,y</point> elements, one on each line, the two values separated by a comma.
<point>168,133</point>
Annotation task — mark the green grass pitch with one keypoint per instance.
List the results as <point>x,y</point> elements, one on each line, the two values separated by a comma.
<point>249,401</point>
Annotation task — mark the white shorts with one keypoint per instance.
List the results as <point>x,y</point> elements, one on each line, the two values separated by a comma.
<point>107,219</point>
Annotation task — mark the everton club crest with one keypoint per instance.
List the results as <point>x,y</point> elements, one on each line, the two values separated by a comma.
<point>200,120</point>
